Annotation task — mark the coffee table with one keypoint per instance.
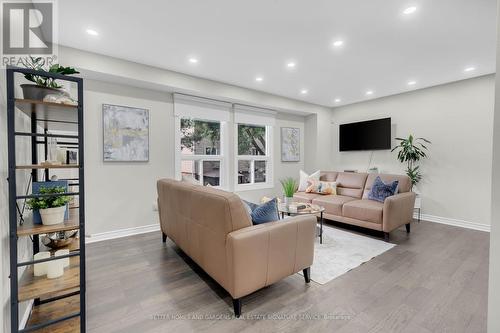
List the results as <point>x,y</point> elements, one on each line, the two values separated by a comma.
<point>285,209</point>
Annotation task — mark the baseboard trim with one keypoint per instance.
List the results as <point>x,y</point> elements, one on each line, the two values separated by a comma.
<point>454,222</point>
<point>99,237</point>
<point>26,315</point>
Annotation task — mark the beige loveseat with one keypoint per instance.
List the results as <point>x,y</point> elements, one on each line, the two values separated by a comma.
<point>214,229</point>
<point>351,204</point>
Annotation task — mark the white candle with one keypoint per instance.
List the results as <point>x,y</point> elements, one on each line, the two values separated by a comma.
<point>55,269</point>
<point>63,253</point>
<point>41,268</point>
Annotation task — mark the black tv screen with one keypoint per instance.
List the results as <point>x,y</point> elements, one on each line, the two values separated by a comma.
<point>365,135</point>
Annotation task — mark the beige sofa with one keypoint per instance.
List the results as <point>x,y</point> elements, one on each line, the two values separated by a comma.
<point>351,204</point>
<point>214,229</point>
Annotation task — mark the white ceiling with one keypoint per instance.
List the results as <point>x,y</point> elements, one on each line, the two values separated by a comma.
<point>235,41</point>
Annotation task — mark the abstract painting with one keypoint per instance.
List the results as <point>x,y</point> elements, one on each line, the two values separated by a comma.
<point>290,144</point>
<point>126,134</point>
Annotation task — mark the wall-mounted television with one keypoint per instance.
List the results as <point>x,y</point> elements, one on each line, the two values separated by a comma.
<point>365,135</point>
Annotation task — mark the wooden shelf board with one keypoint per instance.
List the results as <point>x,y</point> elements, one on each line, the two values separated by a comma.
<point>35,229</point>
<point>53,310</point>
<point>50,111</point>
<point>31,287</point>
<point>51,166</point>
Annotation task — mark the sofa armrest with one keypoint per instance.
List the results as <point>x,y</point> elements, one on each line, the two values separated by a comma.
<point>398,210</point>
<point>263,254</point>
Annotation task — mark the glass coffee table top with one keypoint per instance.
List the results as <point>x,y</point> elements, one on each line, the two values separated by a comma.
<point>292,210</point>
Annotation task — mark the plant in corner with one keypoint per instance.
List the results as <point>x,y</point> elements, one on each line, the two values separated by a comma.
<point>43,85</point>
<point>411,151</point>
<point>52,205</point>
<point>289,186</point>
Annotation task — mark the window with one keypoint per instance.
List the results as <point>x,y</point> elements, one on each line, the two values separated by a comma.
<point>201,150</point>
<point>253,155</point>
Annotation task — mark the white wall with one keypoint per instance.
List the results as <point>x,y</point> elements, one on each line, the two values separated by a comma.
<point>457,118</point>
<point>121,195</point>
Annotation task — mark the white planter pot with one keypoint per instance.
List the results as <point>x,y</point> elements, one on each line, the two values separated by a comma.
<point>288,200</point>
<point>52,216</point>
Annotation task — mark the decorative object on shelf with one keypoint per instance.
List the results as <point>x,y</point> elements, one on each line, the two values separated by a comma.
<point>290,144</point>
<point>35,188</point>
<point>59,239</point>
<point>289,186</point>
<point>55,269</point>
<point>41,268</point>
<point>72,156</point>
<point>411,151</point>
<point>126,134</point>
<point>52,151</point>
<point>51,207</point>
<point>63,252</point>
<point>43,85</point>
<point>60,99</point>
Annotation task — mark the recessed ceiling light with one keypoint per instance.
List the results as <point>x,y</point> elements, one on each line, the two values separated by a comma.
<point>92,32</point>
<point>369,92</point>
<point>410,10</point>
<point>469,69</point>
<point>338,100</point>
<point>291,64</point>
<point>193,60</point>
<point>304,91</point>
<point>259,79</point>
<point>338,43</point>
<point>412,83</point>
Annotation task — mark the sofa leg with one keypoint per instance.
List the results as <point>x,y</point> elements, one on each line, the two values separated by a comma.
<point>237,307</point>
<point>307,274</point>
<point>386,236</point>
<point>407,225</point>
<point>163,237</point>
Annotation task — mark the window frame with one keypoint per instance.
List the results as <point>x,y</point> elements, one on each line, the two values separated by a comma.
<point>221,157</point>
<point>268,158</point>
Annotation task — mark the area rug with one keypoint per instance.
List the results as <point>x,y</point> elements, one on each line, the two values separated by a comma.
<point>342,251</point>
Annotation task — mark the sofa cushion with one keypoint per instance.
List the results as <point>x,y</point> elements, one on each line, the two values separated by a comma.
<point>305,197</point>
<point>332,203</point>
<point>351,184</point>
<point>266,212</point>
<point>365,210</point>
<point>381,190</point>
<point>305,178</point>
<point>320,187</point>
<point>404,182</point>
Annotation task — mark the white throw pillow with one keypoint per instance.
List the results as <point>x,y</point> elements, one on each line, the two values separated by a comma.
<point>304,177</point>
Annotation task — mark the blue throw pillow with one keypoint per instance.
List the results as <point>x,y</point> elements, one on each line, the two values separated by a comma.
<point>267,212</point>
<point>381,190</point>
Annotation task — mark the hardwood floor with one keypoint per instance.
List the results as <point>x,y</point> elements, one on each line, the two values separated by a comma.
<point>435,280</point>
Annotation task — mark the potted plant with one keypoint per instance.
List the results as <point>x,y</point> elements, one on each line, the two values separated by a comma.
<point>410,151</point>
<point>289,186</point>
<point>43,85</point>
<point>51,206</point>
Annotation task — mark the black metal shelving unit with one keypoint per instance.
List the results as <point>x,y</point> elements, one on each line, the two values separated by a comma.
<point>22,288</point>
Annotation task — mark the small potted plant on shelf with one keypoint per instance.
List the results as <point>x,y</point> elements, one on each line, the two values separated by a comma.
<point>51,207</point>
<point>43,85</point>
<point>289,186</point>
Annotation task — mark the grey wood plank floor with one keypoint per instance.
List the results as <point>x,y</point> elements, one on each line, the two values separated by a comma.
<point>435,280</point>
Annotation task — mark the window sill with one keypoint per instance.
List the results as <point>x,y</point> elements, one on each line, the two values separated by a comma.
<point>252,187</point>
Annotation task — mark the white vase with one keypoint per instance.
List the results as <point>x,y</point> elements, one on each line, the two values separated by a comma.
<point>52,216</point>
<point>288,200</point>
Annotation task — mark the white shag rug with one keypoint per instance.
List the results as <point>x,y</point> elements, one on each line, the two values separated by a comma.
<point>342,251</point>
